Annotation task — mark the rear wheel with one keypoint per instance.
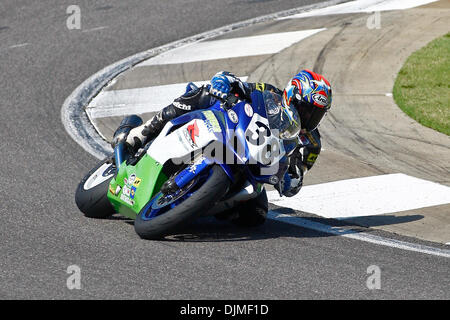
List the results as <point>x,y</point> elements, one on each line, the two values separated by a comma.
<point>91,195</point>
<point>163,213</point>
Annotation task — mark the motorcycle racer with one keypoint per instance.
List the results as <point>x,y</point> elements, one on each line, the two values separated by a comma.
<point>307,92</point>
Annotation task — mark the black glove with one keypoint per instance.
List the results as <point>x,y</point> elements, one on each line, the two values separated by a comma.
<point>292,181</point>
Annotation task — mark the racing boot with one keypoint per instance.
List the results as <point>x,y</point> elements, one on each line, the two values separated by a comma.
<point>194,98</point>
<point>139,136</point>
<point>253,213</point>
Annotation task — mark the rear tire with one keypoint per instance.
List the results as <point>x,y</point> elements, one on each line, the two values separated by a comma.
<point>91,195</point>
<point>204,198</point>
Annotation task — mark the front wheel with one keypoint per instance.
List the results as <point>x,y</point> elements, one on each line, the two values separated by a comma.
<point>91,195</point>
<point>158,218</point>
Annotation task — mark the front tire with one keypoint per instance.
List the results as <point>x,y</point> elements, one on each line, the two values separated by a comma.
<point>205,197</point>
<point>91,195</point>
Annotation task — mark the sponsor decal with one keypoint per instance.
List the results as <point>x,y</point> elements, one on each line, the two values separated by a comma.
<point>260,86</point>
<point>132,192</point>
<point>126,199</point>
<point>248,110</point>
<point>126,191</point>
<point>312,157</point>
<point>320,99</point>
<point>131,179</point>
<point>187,140</point>
<point>118,188</point>
<point>137,182</point>
<point>111,189</point>
<point>233,116</point>
<point>211,122</point>
<point>193,131</point>
<point>209,125</point>
<point>181,105</point>
<point>192,168</point>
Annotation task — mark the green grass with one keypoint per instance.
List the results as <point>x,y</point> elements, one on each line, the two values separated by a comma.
<point>422,87</point>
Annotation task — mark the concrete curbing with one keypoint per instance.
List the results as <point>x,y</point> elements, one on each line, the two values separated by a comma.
<point>74,118</point>
<point>78,125</point>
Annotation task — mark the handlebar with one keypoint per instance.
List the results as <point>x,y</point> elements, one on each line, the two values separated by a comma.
<point>229,102</point>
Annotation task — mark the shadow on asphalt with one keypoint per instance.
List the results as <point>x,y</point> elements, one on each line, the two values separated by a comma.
<point>210,229</point>
<point>375,221</point>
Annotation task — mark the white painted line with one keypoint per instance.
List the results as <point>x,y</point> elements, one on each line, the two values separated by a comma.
<point>361,236</point>
<point>95,29</point>
<point>18,45</point>
<point>365,196</point>
<point>362,6</point>
<point>136,101</point>
<point>15,46</point>
<point>231,48</point>
<point>74,118</point>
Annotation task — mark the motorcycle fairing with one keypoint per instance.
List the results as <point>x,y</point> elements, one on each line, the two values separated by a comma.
<point>192,132</point>
<point>134,186</point>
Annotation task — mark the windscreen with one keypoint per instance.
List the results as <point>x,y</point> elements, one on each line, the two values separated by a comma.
<point>282,120</point>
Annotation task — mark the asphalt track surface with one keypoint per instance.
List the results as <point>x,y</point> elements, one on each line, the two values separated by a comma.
<point>42,231</point>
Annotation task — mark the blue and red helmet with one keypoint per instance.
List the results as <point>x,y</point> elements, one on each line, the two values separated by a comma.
<point>310,94</point>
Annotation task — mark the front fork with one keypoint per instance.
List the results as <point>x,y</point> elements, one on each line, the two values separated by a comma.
<point>121,152</point>
<point>185,176</point>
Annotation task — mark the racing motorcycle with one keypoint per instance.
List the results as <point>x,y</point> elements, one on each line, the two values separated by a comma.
<point>203,163</point>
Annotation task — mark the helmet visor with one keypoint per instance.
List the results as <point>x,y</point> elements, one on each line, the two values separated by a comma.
<point>310,115</point>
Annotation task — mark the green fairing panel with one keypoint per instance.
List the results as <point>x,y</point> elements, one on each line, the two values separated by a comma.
<point>134,186</point>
